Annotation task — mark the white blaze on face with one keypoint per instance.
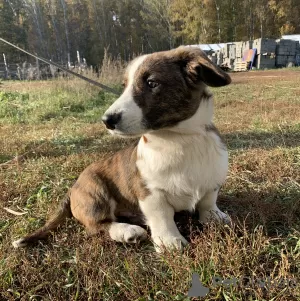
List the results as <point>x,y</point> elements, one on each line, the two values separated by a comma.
<point>132,116</point>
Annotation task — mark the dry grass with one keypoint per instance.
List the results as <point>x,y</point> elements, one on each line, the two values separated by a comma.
<point>112,71</point>
<point>55,124</point>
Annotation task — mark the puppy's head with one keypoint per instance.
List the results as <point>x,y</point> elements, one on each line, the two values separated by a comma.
<point>160,91</point>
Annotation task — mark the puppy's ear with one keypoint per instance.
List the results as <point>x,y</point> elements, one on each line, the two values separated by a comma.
<point>199,68</point>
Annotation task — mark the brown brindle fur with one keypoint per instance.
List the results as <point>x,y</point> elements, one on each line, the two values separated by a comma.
<point>105,191</point>
<point>115,178</point>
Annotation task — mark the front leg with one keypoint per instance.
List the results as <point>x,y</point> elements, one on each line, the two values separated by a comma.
<point>208,209</point>
<point>160,218</point>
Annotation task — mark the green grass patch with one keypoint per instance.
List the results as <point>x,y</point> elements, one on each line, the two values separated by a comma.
<point>52,104</point>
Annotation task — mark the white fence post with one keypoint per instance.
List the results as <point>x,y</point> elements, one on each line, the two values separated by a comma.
<point>5,66</point>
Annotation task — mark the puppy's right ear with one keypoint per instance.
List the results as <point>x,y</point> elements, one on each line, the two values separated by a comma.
<point>199,68</point>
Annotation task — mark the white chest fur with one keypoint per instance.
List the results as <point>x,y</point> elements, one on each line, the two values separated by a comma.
<point>183,166</point>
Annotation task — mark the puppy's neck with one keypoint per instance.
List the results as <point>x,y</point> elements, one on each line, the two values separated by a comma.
<point>198,121</point>
<point>196,124</point>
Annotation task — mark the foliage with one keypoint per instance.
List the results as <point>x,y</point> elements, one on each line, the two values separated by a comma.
<point>56,28</point>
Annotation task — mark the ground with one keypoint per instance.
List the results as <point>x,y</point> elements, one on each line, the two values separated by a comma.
<point>50,131</point>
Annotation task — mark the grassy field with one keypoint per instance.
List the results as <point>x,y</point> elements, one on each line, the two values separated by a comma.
<point>50,131</point>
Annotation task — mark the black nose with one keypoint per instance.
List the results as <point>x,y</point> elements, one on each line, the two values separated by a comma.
<point>111,120</point>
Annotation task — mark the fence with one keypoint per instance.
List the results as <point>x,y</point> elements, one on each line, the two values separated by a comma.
<point>38,70</point>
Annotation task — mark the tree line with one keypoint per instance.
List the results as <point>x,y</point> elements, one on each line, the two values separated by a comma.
<point>56,29</point>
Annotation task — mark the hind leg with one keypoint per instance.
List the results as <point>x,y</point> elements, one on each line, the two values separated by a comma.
<point>120,232</point>
<point>96,211</point>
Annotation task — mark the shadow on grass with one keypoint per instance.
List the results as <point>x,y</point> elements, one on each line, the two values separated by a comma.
<point>267,140</point>
<point>277,213</point>
<point>103,143</point>
<point>69,146</point>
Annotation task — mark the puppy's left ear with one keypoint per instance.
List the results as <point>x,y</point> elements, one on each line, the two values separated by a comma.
<point>199,68</point>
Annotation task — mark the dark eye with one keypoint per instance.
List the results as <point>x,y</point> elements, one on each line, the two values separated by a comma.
<point>152,84</point>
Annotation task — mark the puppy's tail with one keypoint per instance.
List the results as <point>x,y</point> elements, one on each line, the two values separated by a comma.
<point>60,215</point>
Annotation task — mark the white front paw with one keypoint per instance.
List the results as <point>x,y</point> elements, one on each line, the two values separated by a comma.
<point>169,242</point>
<point>214,215</point>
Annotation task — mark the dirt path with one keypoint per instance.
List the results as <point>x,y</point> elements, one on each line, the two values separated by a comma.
<point>265,76</point>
